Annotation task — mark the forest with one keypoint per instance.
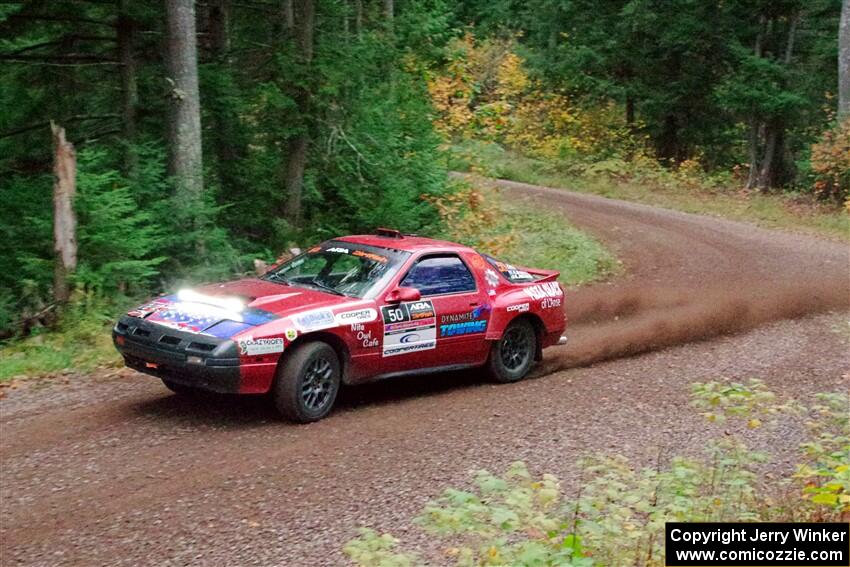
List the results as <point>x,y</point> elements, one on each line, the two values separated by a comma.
<point>182,140</point>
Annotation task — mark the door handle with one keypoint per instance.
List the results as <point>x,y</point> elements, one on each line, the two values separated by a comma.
<point>473,304</point>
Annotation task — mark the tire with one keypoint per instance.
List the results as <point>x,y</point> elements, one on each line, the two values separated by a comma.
<point>512,356</point>
<point>307,382</point>
<point>179,389</point>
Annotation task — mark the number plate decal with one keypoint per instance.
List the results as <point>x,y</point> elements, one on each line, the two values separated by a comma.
<point>409,327</point>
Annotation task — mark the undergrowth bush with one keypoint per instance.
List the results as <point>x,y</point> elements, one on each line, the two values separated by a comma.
<point>830,163</point>
<point>81,342</point>
<point>618,512</point>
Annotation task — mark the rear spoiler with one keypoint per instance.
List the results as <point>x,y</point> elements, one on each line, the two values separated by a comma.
<point>541,275</point>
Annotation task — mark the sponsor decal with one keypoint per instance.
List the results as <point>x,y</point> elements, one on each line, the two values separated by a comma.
<point>515,274</point>
<point>550,302</point>
<point>548,289</point>
<point>315,320</point>
<point>143,311</point>
<point>291,334</point>
<point>465,328</point>
<point>519,307</point>
<point>371,256</point>
<point>477,262</point>
<point>191,317</point>
<point>255,347</point>
<point>338,250</point>
<point>421,309</point>
<point>314,249</point>
<point>409,327</point>
<point>468,316</point>
<point>365,338</point>
<point>491,277</point>
<point>359,316</point>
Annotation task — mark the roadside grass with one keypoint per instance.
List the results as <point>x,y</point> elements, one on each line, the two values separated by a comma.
<point>785,211</point>
<point>546,240</point>
<point>81,344</point>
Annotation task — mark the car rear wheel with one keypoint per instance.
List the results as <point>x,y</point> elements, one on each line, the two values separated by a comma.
<point>307,382</point>
<point>512,356</point>
<point>178,388</point>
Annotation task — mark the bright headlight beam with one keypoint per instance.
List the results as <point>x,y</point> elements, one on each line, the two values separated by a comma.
<point>228,303</point>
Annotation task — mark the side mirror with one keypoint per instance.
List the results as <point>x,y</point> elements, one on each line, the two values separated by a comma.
<point>400,294</point>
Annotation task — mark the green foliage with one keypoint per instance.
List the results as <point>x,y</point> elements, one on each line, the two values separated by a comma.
<point>81,343</point>
<point>372,157</point>
<point>618,512</point>
<point>117,239</point>
<point>825,473</point>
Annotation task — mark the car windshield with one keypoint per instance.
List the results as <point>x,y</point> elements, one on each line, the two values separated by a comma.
<point>341,268</point>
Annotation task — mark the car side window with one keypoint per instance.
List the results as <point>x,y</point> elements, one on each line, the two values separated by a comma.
<point>437,275</point>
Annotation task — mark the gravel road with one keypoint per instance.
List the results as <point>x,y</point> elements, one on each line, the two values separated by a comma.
<point>115,470</point>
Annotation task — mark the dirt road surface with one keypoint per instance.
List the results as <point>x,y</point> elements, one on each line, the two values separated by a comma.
<point>115,470</point>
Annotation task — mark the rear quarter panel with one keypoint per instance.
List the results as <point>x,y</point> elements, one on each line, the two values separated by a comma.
<point>543,300</point>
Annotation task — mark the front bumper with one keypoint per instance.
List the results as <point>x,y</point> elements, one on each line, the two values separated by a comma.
<point>190,359</point>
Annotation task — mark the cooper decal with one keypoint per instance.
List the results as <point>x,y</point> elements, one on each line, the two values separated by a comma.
<point>255,347</point>
<point>519,307</point>
<point>409,327</point>
<point>548,289</point>
<point>359,316</point>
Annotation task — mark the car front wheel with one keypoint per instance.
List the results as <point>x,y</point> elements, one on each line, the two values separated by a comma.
<point>307,382</point>
<point>512,356</point>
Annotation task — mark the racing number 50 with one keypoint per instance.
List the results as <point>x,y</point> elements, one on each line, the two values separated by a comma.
<point>395,315</point>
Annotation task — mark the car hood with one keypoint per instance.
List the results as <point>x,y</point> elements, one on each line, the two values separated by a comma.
<point>225,309</point>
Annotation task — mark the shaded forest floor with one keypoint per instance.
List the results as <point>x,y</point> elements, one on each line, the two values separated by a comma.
<point>688,192</point>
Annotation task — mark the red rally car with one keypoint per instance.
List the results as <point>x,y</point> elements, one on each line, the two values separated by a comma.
<point>350,310</point>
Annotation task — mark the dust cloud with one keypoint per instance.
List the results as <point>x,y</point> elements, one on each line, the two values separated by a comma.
<point>609,322</point>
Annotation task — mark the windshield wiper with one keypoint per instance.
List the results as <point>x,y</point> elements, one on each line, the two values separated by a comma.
<point>326,287</point>
<point>276,277</point>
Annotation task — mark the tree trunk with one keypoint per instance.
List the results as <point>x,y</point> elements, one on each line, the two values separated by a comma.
<point>126,29</point>
<point>767,174</point>
<point>668,142</point>
<point>219,28</point>
<point>771,173</point>
<point>296,160</point>
<point>752,175</point>
<point>64,219</point>
<point>288,14</point>
<point>184,136</point>
<point>844,61</point>
<point>755,126</point>
<point>224,122</point>
<point>630,110</point>
<point>389,11</point>
<point>358,18</point>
